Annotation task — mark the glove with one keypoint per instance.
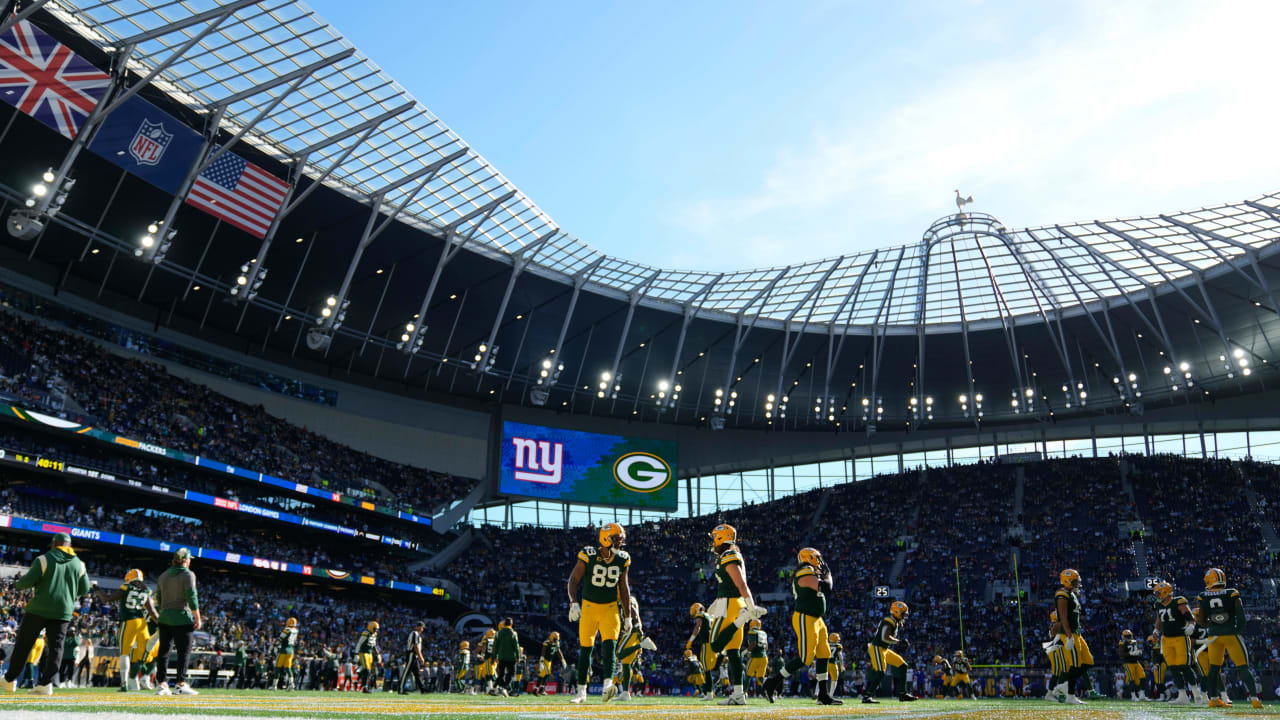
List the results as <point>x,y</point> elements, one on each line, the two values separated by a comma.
<point>1189,630</point>
<point>689,645</point>
<point>575,612</point>
<point>1071,643</point>
<point>626,625</point>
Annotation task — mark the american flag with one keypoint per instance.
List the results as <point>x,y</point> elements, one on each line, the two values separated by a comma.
<point>44,79</point>
<point>240,193</point>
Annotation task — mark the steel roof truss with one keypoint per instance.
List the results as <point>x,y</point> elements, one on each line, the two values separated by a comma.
<point>519,262</point>
<point>21,15</point>
<point>788,346</point>
<point>741,333</point>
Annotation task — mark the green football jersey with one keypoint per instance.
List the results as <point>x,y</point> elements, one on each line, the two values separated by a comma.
<point>724,584</point>
<point>287,641</point>
<point>133,601</point>
<point>1172,620</point>
<point>888,627</point>
<point>600,581</point>
<point>368,642</point>
<point>704,630</point>
<point>809,601</point>
<point>1071,623</point>
<point>463,662</point>
<point>550,650</point>
<point>1219,610</point>
<point>761,647</point>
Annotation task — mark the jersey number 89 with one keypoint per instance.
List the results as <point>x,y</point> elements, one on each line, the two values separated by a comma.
<point>605,576</point>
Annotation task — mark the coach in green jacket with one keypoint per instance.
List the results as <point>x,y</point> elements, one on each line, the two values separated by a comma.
<point>507,649</point>
<point>59,579</point>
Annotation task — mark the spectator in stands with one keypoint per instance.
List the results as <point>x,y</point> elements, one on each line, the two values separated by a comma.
<point>60,580</point>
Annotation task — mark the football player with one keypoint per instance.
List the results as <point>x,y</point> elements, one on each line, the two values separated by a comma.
<point>604,570</point>
<point>1176,625</point>
<point>883,657</point>
<point>693,670</point>
<point>461,665</point>
<point>550,652</point>
<point>285,644</point>
<point>629,648</point>
<point>485,664</point>
<point>366,651</point>
<point>702,635</point>
<point>758,652</point>
<point>733,609</point>
<point>135,608</point>
<point>1058,666</point>
<point>942,676</point>
<point>809,585</point>
<point>1079,658</point>
<point>1159,690</point>
<point>1131,657</point>
<point>1220,611</point>
<point>960,682</point>
<point>836,666</point>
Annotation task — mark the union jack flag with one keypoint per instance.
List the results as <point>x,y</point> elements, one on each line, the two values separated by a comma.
<point>44,79</point>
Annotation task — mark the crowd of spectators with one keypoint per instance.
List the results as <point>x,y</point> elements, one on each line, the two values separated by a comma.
<point>140,399</point>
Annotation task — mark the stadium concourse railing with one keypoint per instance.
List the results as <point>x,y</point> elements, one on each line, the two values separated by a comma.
<point>14,410</point>
<point>26,525</point>
<point>56,466</point>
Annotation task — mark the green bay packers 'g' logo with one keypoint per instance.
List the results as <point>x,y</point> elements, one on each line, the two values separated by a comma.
<point>642,472</point>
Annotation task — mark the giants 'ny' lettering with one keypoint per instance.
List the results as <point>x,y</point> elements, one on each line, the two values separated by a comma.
<point>538,461</point>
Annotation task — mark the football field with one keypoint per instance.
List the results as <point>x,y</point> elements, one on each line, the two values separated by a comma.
<point>104,705</point>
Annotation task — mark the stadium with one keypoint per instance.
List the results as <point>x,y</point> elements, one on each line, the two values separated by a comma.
<point>271,327</point>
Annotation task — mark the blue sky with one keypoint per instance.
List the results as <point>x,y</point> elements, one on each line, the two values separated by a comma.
<point>722,135</point>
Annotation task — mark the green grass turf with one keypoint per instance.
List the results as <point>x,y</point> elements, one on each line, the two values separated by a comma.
<point>101,705</point>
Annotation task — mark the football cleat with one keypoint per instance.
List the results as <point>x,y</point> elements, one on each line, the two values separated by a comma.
<point>809,556</point>
<point>907,697</point>
<point>1070,579</point>
<point>164,689</point>
<point>868,700</point>
<point>581,696</point>
<point>41,690</point>
<point>723,535</point>
<point>7,685</point>
<point>898,609</point>
<point>735,699</point>
<point>609,693</point>
<point>612,535</point>
<point>184,689</point>
<point>134,575</point>
<point>1215,578</point>
<point>1072,700</point>
<point>1256,702</point>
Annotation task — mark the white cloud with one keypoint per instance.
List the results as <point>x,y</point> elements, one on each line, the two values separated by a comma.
<point>1144,108</point>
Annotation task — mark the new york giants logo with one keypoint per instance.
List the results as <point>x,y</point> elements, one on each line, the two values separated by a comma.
<point>149,143</point>
<point>538,461</point>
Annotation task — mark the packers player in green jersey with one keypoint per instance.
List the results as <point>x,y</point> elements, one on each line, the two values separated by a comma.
<point>1159,690</point>
<point>1176,625</point>
<point>286,644</point>
<point>135,608</point>
<point>1079,657</point>
<point>366,652</point>
<point>1220,611</point>
<point>733,609</point>
<point>1131,658</point>
<point>550,652</point>
<point>629,648</point>
<point>461,664</point>
<point>884,659</point>
<point>758,656</point>
<point>836,666</point>
<point>601,576</point>
<point>809,585</point>
<point>706,658</point>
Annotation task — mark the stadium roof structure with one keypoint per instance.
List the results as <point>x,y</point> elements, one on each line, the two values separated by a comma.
<point>284,82</point>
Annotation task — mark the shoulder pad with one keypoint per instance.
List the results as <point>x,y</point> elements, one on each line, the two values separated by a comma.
<point>622,554</point>
<point>1062,593</point>
<point>730,555</point>
<point>1232,592</point>
<point>805,570</point>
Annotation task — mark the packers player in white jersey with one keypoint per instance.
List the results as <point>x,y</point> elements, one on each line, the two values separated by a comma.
<point>600,574</point>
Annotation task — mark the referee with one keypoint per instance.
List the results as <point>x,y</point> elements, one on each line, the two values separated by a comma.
<point>413,661</point>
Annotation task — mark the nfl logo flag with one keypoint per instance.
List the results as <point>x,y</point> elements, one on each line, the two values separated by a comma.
<point>149,143</point>
<point>44,79</point>
<point>240,193</point>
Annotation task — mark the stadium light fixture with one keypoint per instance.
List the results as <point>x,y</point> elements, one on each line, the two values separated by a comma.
<point>485,358</point>
<point>154,245</point>
<point>249,281</point>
